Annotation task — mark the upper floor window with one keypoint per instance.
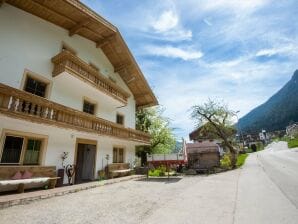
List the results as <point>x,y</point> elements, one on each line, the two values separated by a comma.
<point>120,119</point>
<point>89,107</point>
<point>35,86</point>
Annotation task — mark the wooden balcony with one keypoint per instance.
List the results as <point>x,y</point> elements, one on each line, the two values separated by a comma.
<point>20,104</point>
<point>73,65</point>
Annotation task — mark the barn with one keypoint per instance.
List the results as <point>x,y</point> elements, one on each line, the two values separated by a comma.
<point>203,155</point>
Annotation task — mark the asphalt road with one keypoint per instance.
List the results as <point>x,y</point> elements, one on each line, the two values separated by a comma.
<point>263,191</point>
<point>268,187</point>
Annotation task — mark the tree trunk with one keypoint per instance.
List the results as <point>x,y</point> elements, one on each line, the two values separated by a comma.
<point>233,153</point>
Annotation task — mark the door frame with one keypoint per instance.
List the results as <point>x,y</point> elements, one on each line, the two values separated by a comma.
<point>89,142</point>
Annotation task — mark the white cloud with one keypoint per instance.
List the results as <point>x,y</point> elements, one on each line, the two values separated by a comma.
<point>167,21</point>
<point>277,50</point>
<point>168,26</point>
<point>236,5</point>
<point>244,86</point>
<point>174,52</point>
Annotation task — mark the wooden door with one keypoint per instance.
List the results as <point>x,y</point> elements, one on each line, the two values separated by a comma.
<point>85,164</point>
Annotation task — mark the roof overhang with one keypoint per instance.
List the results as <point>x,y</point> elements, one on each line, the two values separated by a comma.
<point>79,19</point>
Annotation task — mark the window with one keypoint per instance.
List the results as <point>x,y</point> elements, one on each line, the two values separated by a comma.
<point>35,87</point>
<point>21,150</point>
<point>88,107</point>
<point>32,152</point>
<point>120,119</point>
<point>118,155</point>
<point>12,149</point>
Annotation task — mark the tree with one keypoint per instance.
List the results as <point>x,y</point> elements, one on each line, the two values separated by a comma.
<point>162,138</point>
<point>216,118</point>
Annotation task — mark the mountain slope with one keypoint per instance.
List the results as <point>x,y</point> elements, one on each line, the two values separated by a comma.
<point>276,113</point>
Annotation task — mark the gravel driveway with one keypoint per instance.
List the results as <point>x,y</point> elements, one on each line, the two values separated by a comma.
<point>263,191</point>
<point>194,199</point>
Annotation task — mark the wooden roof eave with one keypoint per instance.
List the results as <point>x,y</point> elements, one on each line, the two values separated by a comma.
<point>86,23</point>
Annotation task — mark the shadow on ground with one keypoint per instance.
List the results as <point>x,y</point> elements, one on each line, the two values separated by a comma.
<point>165,180</point>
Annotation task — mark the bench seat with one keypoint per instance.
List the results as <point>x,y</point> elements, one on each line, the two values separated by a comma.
<point>121,171</point>
<point>42,176</point>
<point>23,184</point>
<point>118,169</point>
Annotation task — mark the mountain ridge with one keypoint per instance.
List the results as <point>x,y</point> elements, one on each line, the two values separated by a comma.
<point>276,113</point>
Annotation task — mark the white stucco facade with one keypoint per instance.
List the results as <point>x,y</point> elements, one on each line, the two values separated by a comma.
<point>59,140</point>
<point>27,44</point>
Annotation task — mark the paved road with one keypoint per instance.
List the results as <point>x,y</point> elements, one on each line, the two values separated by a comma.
<point>263,191</point>
<point>268,187</point>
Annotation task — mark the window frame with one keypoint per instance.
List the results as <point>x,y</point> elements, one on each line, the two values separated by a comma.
<point>26,136</point>
<point>21,153</point>
<point>85,99</point>
<point>26,148</point>
<point>118,148</point>
<point>40,78</point>
<point>123,118</point>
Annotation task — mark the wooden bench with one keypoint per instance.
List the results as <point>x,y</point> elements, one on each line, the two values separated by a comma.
<point>118,169</point>
<point>42,176</point>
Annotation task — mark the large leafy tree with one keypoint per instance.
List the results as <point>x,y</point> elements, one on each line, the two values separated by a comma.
<point>152,121</point>
<point>216,118</point>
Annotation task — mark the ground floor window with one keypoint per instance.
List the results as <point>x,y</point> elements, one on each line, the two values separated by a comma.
<point>21,150</point>
<point>32,152</point>
<point>12,149</point>
<point>118,155</point>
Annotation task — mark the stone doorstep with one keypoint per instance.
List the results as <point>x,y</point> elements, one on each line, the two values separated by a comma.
<point>26,198</point>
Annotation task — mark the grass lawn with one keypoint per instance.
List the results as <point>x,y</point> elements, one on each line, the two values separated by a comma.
<point>292,143</point>
<point>241,159</point>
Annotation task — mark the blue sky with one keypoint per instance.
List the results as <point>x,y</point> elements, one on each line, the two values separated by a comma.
<point>238,51</point>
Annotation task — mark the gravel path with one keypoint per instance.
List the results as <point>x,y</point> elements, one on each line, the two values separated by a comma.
<point>263,191</point>
<point>195,199</point>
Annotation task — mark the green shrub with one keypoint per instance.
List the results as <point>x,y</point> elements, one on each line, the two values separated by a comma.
<point>293,143</point>
<point>158,172</point>
<point>225,162</point>
<point>241,159</point>
<point>260,146</point>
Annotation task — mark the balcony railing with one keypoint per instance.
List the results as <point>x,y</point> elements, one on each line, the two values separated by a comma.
<point>18,103</point>
<point>70,63</point>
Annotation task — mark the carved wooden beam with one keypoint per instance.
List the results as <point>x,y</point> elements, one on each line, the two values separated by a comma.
<point>52,11</point>
<point>75,29</point>
<point>137,96</point>
<point>122,67</point>
<point>104,41</point>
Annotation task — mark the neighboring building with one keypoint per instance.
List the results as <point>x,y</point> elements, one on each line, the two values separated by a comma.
<point>202,134</point>
<point>70,84</point>
<point>203,155</point>
<point>292,130</point>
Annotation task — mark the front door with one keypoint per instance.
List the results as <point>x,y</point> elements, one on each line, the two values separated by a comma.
<point>85,163</point>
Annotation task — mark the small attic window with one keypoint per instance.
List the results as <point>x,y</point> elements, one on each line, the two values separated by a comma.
<point>94,66</point>
<point>66,47</point>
